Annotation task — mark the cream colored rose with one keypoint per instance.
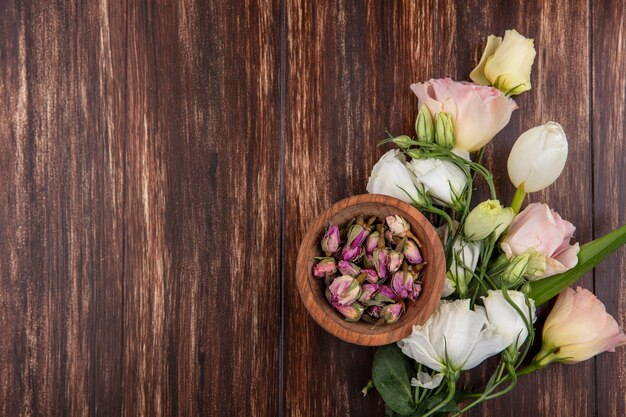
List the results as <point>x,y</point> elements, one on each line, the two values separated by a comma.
<point>506,64</point>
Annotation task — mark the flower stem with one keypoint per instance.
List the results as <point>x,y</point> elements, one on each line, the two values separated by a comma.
<point>451,391</point>
<point>518,199</point>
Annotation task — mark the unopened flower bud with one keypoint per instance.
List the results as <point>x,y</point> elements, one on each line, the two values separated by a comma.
<point>372,242</point>
<point>403,141</point>
<point>353,254</point>
<point>486,218</point>
<point>402,284</point>
<point>394,261</point>
<point>344,290</point>
<point>424,125</point>
<point>385,295</point>
<point>411,252</point>
<point>356,237</point>
<point>398,226</point>
<point>380,262</point>
<point>444,130</point>
<point>514,272</point>
<point>348,268</point>
<point>417,289</point>
<point>372,275</point>
<point>392,312</point>
<point>367,292</point>
<point>352,312</point>
<point>326,266</point>
<point>374,311</point>
<point>331,240</point>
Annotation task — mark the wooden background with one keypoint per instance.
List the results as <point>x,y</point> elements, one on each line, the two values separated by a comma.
<point>161,160</point>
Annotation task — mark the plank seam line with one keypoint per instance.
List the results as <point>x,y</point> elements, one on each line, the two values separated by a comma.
<point>282,169</point>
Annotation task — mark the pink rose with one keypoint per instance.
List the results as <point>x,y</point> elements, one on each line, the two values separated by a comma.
<point>578,328</point>
<point>541,230</point>
<point>478,112</point>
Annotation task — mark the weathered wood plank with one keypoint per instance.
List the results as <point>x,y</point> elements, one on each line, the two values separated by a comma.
<point>62,135</point>
<point>202,310</point>
<point>349,67</point>
<point>609,173</point>
<point>560,93</point>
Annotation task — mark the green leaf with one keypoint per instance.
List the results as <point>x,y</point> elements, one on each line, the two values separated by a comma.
<point>590,255</point>
<point>392,372</point>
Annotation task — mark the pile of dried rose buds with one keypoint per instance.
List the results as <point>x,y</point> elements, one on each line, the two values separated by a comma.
<point>370,268</point>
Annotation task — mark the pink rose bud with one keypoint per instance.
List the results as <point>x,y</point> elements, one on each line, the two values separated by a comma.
<point>391,313</point>
<point>380,262</point>
<point>388,236</point>
<point>412,253</point>
<point>367,292</point>
<point>374,311</point>
<point>397,225</point>
<point>356,235</point>
<point>344,290</point>
<point>402,284</point>
<point>394,261</point>
<point>372,242</point>
<point>331,240</point>
<point>326,266</point>
<point>372,275</point>
<point>353,255</point>
<point>348,268</point>
<point>352,312</point>
<point>417,289</point>
<point>385,295</point>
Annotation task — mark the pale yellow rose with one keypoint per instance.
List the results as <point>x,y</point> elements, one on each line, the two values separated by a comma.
<point>506,63</point>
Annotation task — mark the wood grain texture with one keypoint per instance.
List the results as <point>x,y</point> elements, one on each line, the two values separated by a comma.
<point>311,289</point>
<point>61,207</point>
<point>609,174</point>
<point>201,315</point>
<point>156,156</point>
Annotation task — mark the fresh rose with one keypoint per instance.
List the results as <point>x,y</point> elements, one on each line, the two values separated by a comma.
<point>540,231</point>
<point>443,180</point>
<point>478,112</point>
<point>538,157</point>
<point>506,64</point>
<point>391,177</point>
<point>578,328</point>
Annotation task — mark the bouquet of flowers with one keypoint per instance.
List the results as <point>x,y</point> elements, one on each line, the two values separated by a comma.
<point>502,262</point>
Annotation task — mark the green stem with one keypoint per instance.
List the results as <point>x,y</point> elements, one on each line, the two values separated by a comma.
<point>451,391</point>
<point>518,199</point>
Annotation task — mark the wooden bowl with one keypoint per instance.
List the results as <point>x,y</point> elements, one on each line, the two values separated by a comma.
<point>312,289</point>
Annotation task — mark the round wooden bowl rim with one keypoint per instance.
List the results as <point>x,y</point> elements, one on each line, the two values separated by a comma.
<point>334,324</point>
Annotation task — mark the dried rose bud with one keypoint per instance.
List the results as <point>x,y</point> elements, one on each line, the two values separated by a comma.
<point>402,284</point>
<point>353,255</point>
<point>394,261</point>
<point>398,226</point>
<point>367,292</point>
<point>374,311</point>
<point>372,242</point>
<point>356,235</point>
<point>352,312</point>
<point>411,252</point>
<point>417,289</point>
<point>368,261</point>
<point>344,290</point>
<point>392,312</point>
<point>326,266</point>
<point>385,295</point>
<point>372,275</point>
<point>331,240</point>
<point>348,268</point>
<point>380,262</point>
